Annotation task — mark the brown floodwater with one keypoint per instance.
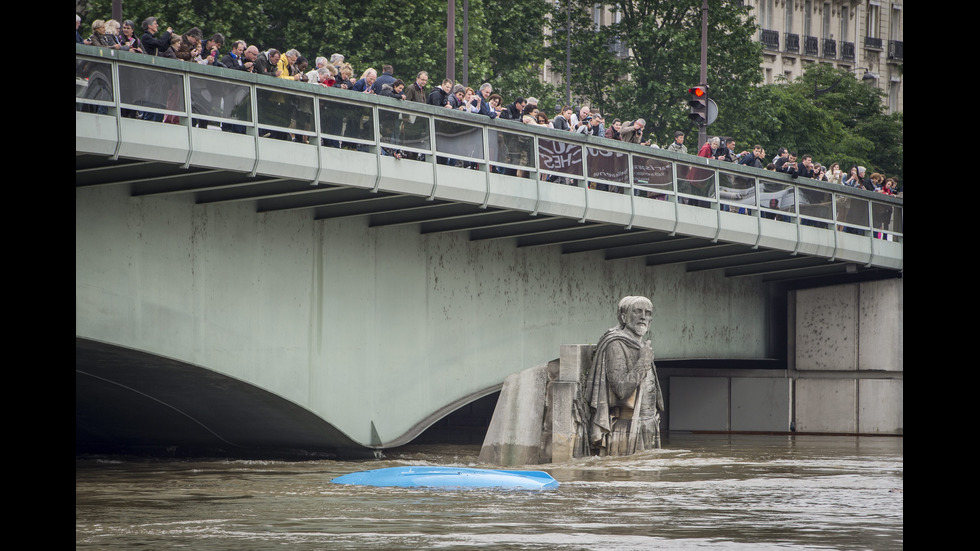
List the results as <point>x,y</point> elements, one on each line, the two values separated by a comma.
<point>722,492</point>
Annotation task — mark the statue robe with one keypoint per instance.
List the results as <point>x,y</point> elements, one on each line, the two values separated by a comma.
<point>616,383</point>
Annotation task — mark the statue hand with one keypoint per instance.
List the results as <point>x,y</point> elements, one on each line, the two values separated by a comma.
<point>646,354</point>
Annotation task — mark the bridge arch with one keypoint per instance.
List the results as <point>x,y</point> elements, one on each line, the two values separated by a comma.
<point>134,402</point>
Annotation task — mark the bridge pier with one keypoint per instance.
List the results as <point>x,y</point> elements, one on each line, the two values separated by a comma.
<point>845,377</point>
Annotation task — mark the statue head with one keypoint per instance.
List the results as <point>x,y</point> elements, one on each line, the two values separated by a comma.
<point>635,314</point>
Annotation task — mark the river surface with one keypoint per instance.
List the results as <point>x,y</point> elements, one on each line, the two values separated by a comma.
<point>716,492</point>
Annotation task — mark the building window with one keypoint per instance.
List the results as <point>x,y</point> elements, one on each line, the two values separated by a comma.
<point>893,97</point>
<point>844,16</point>
<point>765,13</point>
<point>807,18</point>
<point>895,33</point>
<point>825,28</point>
<point>789,17</point>
<point>873,21</point>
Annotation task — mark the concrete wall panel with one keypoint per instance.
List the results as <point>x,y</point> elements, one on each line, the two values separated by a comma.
<point>881,410</point>
<point>881,326</point>
<point>761,404</point>
<point>699,403</point>
<point>826,405</point>
<point>827,328</point>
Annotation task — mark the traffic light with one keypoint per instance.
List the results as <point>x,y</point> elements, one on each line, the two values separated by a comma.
<point>699,104</point>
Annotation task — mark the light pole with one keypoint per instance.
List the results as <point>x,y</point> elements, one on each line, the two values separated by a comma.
<point>466,42</point>
<point>568,54</point>
<point>703,126</point>
<point>451,40</point>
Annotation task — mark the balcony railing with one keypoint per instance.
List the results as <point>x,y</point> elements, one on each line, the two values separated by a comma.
<point>829,48</point>
<point>120,86</point>
<point>872,43</point>
<point>847,51</point>
<point>811,46</point>
<point>769,39</point>
<point>792,43</point>
<point>618,48</point>
<point>895,48</point>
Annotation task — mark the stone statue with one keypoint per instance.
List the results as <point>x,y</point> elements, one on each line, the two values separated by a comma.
<point>621,398</point>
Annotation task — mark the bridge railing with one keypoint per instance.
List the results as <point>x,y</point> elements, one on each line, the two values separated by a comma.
<point>121,84</point>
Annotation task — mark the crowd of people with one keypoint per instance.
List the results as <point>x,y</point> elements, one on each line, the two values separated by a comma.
<point>333,71</point>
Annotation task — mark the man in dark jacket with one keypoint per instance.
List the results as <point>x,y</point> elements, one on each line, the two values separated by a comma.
<point>754,158</point>
<point>386,77</point>
<point>514,110</point>
<point>416,91</point>
<point>803,168</point>
<point>439,96</point>
<point>728,153</point>
<point>235,59</point>
<point>151,44</point>
<point>266,63</point>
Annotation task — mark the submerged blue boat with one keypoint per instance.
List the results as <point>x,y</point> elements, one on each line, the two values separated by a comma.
<point>450,477</point>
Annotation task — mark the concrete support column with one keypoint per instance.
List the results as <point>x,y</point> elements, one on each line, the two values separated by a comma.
<point>574,360</point>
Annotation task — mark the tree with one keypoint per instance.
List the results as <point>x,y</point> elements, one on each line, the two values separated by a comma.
<point>829,114</point>
<point>516,48</point>
<point>597,69</point>
<point>664,37</point>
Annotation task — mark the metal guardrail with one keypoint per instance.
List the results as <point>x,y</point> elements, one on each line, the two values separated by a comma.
<point>122,84</point>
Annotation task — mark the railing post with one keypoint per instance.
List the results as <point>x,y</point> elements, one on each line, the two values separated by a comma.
<point>631,189</point>
<point>434,160</point>
<point>486,157</point>
<point>796,211</point>
<point>871,233</point>
<point>758,211</point>
<point>585,179</point>
<point>188,121</point>
<point>254,104</point>
<point>833,217</point>
<point>673,179</point>
<point>376,123</point>
<point>717,203</point>
<point>319,140</point>
<point>114,71</point>
<point>537,176</point>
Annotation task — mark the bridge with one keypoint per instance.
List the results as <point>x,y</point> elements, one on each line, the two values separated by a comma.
<point>318,294</point>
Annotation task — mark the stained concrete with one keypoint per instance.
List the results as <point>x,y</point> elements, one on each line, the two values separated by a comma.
<point>372,329</point>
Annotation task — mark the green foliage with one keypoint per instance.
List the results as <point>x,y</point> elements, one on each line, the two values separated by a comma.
<point>827,113</point>
<point>515,48</point>
<point>596,70</point>
<point>665,37</point>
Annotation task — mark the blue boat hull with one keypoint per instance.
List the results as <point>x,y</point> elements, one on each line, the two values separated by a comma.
<point>450,477</point>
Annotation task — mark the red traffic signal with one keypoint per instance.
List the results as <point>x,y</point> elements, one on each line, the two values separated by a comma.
<point>699,104</point>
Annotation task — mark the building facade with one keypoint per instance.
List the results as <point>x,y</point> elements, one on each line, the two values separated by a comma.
<point>864,37</point>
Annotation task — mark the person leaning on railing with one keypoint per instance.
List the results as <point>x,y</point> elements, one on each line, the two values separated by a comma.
<point>152,44</point>
<point>99,37</point>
